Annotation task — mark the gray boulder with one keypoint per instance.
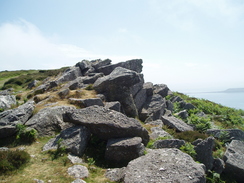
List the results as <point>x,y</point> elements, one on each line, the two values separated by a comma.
<point>218,165</point>
<point>157,123</point>
<point>234,160</point>
<point>84,66</point>
<point>63,93</point>
<point>120,79</point>
<point>165,165</point>
<point>204,150</point>
<point>115,174</point>
<point>168,143</point>
<point>123,150</point>
<point>107,124</point>
<point>182,114</point>
<point>78,171</point>
<point>33,84</point>
<point>169,105</point>
<point>49,120</point>
<point>74,139</point>
<point>6,101</point>
<point>153,108</point>
<point>86,102</point>
<point>227,134</point>
<point>7,131</point>
<point>20,114</point>
<point>159,132</point>
<point>140,98</point>
<point>176,124</point>
<point>148,86</point>
<point>162,90</point>
<point>134,65</point>
<point>176,99</point>
<point>69,75</point>
<point>100,63</point>
<point>113,106</point>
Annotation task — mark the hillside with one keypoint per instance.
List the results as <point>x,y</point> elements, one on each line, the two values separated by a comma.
<point>118,127</point>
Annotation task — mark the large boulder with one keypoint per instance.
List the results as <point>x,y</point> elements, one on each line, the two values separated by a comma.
<point>7,131</point>
<point>115,174</point>
<point>113,105</point>
<point>159,132</point>
<point>234,160</point>
<point>49,120</point>
<point>6,101</point>
<point>168,143</point>
<point>86,102</point>
<point>162,90</point>
<point>74,139</point>
<point>78,171</point>
<point>176,124</point>
<point>164,165</point>
<point>106,123</point>
<point>204,150</point>
<point>69,75</point>
<point>227,134</point>
<point>123,150</point>
<point>153,108</point>
<point>20,114</point>
<point>100,63</point>
<point>134,65</point>
<point>116,87</point>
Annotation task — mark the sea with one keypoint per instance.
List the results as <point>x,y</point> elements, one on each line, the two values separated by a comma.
<point>233,99</point>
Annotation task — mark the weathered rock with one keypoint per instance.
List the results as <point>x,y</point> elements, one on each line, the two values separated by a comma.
<point>204,150</point>
<point>6,101</point>
<point>113,106</point>
<point>75,159</point>
<point>169,105</point>
<point>115,174</point>
<point>148,86</point>
<point>86,102</point>
<point>91,79</point>
<point>137,87</point>
<point>176,124</point>
<point>188,106</point>
<point>168,143</point>
<point>7,130</point>
<point>20,114</point>
<point>182,114</point>
<point>234,160</point>
<point>161,89</point>
<point>140,98</point>
<point>75,84</point>
<point>78,181</point>
<point>164,165</point>
<point>63,93</point>
<point>123,150</point>
<point>158,123</point>
<point>33,84</point>
<point>107,124</point>
<point>159,132</point>
<point>84,66</point>
<point>120,79</point>
<point>69,75</point>
<point>49,120</point>
<point>78,171</point>
<point>176,99</point>
<point>134,65</point>
<point>74,139</point>
<point>38,181</point>
<point>227,134</point>
<point>153,108</point>
<point>218,165</point>
<point>100,63</point>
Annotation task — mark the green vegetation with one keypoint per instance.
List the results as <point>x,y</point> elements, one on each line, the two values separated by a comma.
<point>19,80</point>
<point>189,149</point>
<point>12,160</point>
<point>222,116</point>
<point>190,136</point>
<point>25,135</point>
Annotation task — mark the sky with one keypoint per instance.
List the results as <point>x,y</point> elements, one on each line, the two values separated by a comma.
<point>189,45</point>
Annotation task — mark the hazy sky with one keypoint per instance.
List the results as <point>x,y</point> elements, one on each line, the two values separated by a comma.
<point>190,45</point>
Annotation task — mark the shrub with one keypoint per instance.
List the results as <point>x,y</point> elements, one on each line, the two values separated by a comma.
<point>189,149</point>
<point>89,87</point>
<point>25,135</point>
<point>190,136</point>
<point>201,123</point>
<point>12,160</point>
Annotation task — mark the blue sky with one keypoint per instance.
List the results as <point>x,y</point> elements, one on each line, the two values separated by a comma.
<point>190,45</point>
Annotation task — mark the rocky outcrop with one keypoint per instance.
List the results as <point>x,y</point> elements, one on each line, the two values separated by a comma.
<point>204,150</point>
<point>234,160</point>
<point>159,132</point>
<point>134,65</point>
<point>115,174</point>
<point>49,121</point>
<point>123,150</point>
<point>107,124</point>
<point>169,143</point>
<point>86,102</point>
<point>70,74</point>
<point>113,106</point>
<point>74,139</point>
<point>176,124</point>
<point>164,165</point>
<point>6,101</point>
<point>116,87</point>
<point>162,90</point>
<point>153,108</point>
<point>227,134</point>
<point>20,114</point>
<point>78,171</point>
